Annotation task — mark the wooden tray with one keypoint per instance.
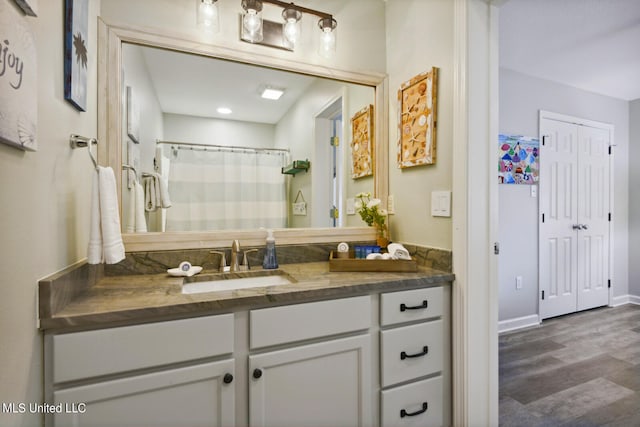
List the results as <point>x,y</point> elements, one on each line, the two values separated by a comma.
<point>375,265</point>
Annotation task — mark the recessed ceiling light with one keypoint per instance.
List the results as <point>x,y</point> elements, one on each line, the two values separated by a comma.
<point>224,110</point>
<point>272,93</point>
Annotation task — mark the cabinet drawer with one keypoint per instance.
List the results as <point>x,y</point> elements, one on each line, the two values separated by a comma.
<point>415,404</point>
<point>93,353</point>
<point>405,306</point>
<point>290,323</point>
<point>411,352</point>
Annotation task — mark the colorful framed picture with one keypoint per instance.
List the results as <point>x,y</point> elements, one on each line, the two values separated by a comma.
<point>18,81</point>
<point>76,52</point>
<point>29,7</point>
<point>519,159</point>
<point>417,120</point>
<point>362,143</point>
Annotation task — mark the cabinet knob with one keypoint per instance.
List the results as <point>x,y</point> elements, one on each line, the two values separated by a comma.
<point>228,378</point>
<point>257,373</point>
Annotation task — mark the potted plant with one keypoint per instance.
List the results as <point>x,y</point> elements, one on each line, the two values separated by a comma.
<point>371,213</point>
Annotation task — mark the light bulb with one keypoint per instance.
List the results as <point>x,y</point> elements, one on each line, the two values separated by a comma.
<point>252,21</point>
<point>291,31</point>
<point>208,15</point>
<point>328,37</point>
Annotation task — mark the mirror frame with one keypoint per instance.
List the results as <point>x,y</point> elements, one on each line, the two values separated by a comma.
<point>110,39</point>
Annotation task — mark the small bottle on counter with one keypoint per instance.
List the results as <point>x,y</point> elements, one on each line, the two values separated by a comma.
<point>270,260</point>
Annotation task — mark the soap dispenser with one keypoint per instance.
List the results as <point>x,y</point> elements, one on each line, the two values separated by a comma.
<point>270,260</point>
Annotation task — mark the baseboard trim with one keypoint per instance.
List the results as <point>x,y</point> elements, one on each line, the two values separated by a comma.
<point>518,323</point>
<point>625,299</point>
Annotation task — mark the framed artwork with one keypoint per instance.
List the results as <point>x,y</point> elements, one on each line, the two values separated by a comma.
<point>417,120</point>
<point>519,159</point>
<point>362,143</point>
<point>133,117</point>
<point>29,7</point>
<point>76,52</point>
<point>18,81</point>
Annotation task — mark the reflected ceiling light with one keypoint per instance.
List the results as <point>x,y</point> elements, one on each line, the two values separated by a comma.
<point>272,93</point>
<point>252,20</point>
<point>224,110</point>
<point>207,15</point>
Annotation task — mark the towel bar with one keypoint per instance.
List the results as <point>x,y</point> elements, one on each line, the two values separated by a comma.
<point>78,141</point>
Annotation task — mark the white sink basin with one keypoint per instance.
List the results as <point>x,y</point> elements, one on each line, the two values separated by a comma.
<point>235,281</point>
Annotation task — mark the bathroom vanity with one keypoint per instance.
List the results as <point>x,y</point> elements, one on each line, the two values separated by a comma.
<point>331,349</point>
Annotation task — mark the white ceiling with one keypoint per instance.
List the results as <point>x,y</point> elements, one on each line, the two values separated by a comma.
<point>593,45</point>
<point>196,86</point>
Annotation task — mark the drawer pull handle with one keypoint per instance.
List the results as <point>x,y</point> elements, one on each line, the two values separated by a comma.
<point>404,413</point>
<point>425,350</point>
<point>228,378</point>
<point>404,307</point>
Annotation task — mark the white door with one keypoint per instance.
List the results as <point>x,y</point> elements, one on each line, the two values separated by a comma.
<point>327,384</point>
<point>574,217</point>
<point>593,217</point>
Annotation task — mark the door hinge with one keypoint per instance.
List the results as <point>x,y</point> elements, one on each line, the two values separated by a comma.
<point>496,248</point>
<point>609,283</point>
<point>542,217</point>
<point>544,139</point>
<point>609,216</point>
<point>542,294</point>
<point>334,213</point>
<point>609,150</point>
<point>334,141</point>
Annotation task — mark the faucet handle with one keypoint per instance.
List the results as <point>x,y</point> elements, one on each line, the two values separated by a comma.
<point>245,259</point>
<point>223,260</point>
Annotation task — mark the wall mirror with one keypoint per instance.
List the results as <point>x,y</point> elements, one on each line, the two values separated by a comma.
<point>158,110</point>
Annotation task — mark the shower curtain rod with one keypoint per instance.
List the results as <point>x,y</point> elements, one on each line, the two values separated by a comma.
<point>229,147</point>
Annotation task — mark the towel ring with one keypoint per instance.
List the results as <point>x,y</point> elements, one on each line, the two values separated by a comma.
<point>78,141</point>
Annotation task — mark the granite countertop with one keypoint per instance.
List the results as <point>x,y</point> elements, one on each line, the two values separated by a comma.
<point>130,299</point>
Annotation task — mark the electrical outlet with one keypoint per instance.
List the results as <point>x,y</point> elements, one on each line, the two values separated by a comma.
<point>391,205</point>
<point>518,282</point>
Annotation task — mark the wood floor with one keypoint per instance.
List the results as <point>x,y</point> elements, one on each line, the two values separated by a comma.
<point>577,370</point>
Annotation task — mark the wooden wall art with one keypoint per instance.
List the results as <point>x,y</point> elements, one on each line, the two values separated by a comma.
<point>417,120</point>
<point>362,143</point>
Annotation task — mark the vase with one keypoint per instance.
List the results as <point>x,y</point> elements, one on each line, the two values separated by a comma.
<point>382,237</point>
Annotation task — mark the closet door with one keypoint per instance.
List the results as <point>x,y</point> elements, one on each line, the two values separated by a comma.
<point>559,218</point>
<point>593,217</point>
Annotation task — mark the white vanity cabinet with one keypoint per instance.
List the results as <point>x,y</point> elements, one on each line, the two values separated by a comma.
<point>326,382</point>
<point>143,375</point>
<point>414,357</point>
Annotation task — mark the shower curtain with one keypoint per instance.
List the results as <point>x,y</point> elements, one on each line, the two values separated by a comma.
<point>216,189</point>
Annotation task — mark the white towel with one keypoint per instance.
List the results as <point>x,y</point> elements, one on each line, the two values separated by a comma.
<point>105,240</point>
<point>150,194</point>
<point>130,219</point>
<point>141,222</point>
<point>163,186</point>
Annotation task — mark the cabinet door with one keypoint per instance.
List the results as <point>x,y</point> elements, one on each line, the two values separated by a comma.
<point>194,396</point>
<point>321,385</point>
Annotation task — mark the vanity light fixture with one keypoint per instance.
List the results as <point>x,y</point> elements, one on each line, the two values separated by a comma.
<point>257,30</point>
<point>224,110</point>
<point>207,15</point>
<point>271,93</point>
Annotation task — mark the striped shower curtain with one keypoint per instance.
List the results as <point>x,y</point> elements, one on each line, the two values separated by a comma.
<point>216,189</point>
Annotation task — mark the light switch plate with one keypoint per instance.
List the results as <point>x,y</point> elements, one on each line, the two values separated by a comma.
<point>441,203</point>
<point>391,204</point>
<point>351,206</point>
<point>534,191</point>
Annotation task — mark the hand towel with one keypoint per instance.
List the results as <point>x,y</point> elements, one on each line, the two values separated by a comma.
<point>130,218</point>
<point>163,187</point>
<point>105,240</point>
<point>150,196</point>
<point>141,222</point>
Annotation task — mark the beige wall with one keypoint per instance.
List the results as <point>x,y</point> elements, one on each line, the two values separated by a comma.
<point>420,36</point>
<point>44,200</point>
